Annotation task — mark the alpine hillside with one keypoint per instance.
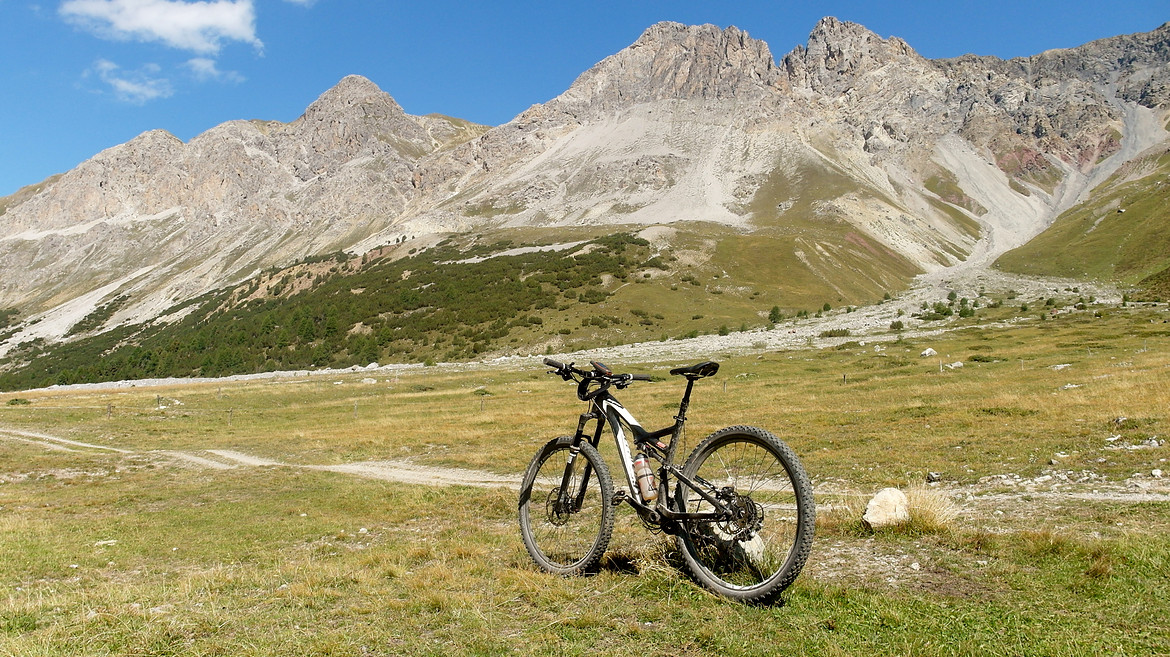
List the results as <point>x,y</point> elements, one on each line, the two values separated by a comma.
<point>836,173</point>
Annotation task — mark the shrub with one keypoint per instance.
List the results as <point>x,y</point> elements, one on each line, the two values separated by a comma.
<point>593,295</point>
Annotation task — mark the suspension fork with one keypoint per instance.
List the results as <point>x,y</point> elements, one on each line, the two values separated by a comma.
<point>573,500</point>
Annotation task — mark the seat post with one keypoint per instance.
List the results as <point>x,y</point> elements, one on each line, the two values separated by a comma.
<point>686,402</point>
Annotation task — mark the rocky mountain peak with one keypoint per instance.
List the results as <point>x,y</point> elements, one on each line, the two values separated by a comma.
<point>675,61</point>
<point>354,91</point>
<point>1138,64</point>
<point>352,119</point>
<point>157,138</point>
<point>839,51</point>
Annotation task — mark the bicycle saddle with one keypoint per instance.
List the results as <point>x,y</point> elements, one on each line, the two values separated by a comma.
<point>697,371</point>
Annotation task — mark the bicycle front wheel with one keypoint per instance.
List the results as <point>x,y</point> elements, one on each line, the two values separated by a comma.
<point>566,529</point>
<point>757,549</point>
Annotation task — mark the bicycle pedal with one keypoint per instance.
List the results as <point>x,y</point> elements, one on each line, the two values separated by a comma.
<point>619,496</point>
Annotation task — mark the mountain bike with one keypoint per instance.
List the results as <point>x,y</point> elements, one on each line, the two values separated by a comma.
<point>740,507</point>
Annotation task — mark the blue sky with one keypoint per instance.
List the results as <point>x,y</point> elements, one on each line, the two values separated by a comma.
<point>79,76</point>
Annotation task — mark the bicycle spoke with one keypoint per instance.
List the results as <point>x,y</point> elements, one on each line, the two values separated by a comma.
<point>746,551</point>
<point>747,511</point>
<point>566,531</point>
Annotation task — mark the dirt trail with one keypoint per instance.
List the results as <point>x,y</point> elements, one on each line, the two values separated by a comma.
<point>841,559</point>
<point>1033,492</point>
<point>223,459</point>
<point>53,442</point>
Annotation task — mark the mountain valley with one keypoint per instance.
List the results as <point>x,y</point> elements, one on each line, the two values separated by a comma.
<point>688,184</point>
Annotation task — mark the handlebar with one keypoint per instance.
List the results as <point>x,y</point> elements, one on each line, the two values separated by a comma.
<point>600,374</point>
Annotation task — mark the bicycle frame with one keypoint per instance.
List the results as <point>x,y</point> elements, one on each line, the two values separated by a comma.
<point>740,506</point>
<point>604,406</point>
<point>616,415</point>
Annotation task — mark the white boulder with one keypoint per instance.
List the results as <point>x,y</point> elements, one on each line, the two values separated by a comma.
<point>888,508</point>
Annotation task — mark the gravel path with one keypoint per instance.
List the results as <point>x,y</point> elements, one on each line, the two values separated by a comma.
<point>997,502</point>
<point>223,459</point>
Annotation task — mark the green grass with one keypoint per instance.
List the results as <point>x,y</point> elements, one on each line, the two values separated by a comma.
<point>273,560</point>
<point>1119,234</point>
<point>395,306</point>
<point>1156,286</point>
<point>802,244</point>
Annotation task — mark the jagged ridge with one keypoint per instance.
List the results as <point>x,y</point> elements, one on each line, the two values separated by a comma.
<point>871,153</point>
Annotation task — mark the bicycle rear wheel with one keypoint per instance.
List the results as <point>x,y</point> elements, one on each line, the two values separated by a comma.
<point>758,550</point>
<point>566,534</point>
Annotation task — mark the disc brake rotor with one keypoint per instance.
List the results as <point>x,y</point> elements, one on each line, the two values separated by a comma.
<point>556,512</point>
<point>745,516</point>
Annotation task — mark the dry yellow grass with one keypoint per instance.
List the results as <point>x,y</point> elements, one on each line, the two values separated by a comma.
<point>271,560</point>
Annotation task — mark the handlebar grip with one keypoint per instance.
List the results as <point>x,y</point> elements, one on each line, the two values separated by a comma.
<point>554,364</point>
<point>641,377</point>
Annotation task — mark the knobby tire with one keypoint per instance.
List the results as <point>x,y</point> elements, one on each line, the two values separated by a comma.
<point>566,539</point>
<point>755,556</point>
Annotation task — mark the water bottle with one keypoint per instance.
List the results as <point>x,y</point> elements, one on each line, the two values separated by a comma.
<point>645,476</point>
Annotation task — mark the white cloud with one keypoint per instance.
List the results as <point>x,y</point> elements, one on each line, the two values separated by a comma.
<point>135,87</point>
<point>206,70</point>
<point>200,27</point>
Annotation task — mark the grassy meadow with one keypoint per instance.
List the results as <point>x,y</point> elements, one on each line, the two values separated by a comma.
<point>1047,534</point>
<point>1119,234</point>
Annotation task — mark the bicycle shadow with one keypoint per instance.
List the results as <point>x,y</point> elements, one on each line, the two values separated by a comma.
<point>620,563</point>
